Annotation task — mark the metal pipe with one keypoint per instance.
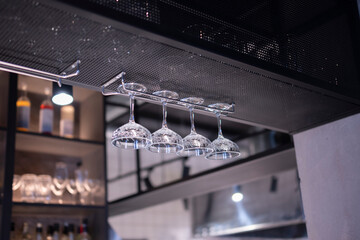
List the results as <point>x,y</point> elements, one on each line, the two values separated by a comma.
<point>153,98</point>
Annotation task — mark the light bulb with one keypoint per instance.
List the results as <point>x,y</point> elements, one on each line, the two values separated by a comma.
<point>237,197</point>
<point>62,99</point>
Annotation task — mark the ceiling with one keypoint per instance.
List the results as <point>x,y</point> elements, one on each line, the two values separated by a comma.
<point>287,82</point>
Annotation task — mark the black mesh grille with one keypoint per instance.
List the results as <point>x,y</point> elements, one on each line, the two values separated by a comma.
<point>44,37</point>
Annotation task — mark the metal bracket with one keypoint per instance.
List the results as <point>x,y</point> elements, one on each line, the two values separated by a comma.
<point>10,67</point>
<point>154,98</point>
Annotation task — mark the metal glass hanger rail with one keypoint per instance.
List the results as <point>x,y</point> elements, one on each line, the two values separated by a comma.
<point>154,98</point>
<point>71,71</point>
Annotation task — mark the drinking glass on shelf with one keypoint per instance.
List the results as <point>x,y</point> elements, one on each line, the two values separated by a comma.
<point>224,149</point>
<point>80,178</point>
<point>58,192</point>
<point>60,175</point>
<point>131,135</point>
<point>43,188</point>
<point>28,188</point>
<point>166,140</point>
<point>195,144</point>
<point>16,182</point>
<point>92,186</point>
<point>72,189</point>
<point>60,180</point>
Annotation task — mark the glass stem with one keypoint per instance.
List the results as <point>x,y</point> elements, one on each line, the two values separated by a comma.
<point>164,123</point>
<point>132,118</point>
<point>192,119</point>
<point>218,116</point>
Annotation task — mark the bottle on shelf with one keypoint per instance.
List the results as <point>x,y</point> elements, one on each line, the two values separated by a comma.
<point>26,232</point>
<point>23,106</point>
<point>46,114</point>
<point>84,235</point>
<point>49,233</point>
<point>71,232</point>
<point>67,121</point>
<point>65,233</point>
<point>56,234</point>
<point>12,233</point>
<point>39,232</point>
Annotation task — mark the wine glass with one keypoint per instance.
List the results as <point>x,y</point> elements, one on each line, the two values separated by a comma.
<point>80,179</point>
<point>72,189</point>
<point>43,188</point>
<point>28,187</point>
<point>131,135</point>
<point>165,140</point>
<point>92,186</point>
<point>16,182</point>
<point>195,144</point>
<point>60,180</point>
<point>224,149</point>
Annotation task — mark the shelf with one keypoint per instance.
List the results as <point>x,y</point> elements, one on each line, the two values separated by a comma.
<point>35,142</point>
<point>62,138</point>
<point>66,209</point>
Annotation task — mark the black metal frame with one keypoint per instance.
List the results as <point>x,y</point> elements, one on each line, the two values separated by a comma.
<point>10,158</point>
<point>167,35</point>
<point>11,133</point>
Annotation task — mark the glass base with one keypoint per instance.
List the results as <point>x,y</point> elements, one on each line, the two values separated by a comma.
<point>167,94</point>
<point>192,100</point>
<point>220,106</point>
<point>132,87</point>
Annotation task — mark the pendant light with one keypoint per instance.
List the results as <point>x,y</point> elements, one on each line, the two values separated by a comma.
<point>62,95</point>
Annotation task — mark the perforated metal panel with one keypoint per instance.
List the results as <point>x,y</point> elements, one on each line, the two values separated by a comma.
<point>47,38</point>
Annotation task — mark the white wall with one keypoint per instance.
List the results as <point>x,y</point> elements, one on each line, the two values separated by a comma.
<point>328,160</point>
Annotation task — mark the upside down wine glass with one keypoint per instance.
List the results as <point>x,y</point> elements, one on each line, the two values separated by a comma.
<point>165,140</point>
<point>195,144</point>
<point>224,149</point>
<point>131,135</point>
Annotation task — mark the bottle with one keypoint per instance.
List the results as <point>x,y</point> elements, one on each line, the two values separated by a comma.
<point>46,115</point>
<point>23,106</point>
<point>84,235</point>
<point>39,232</point>
<point>65,233</point>
<point>67,121</point>
<point>12,233</point>
<point>49,233</point>
<point>71,232</point>
<point>56,234</point>
<point>26,234</point>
